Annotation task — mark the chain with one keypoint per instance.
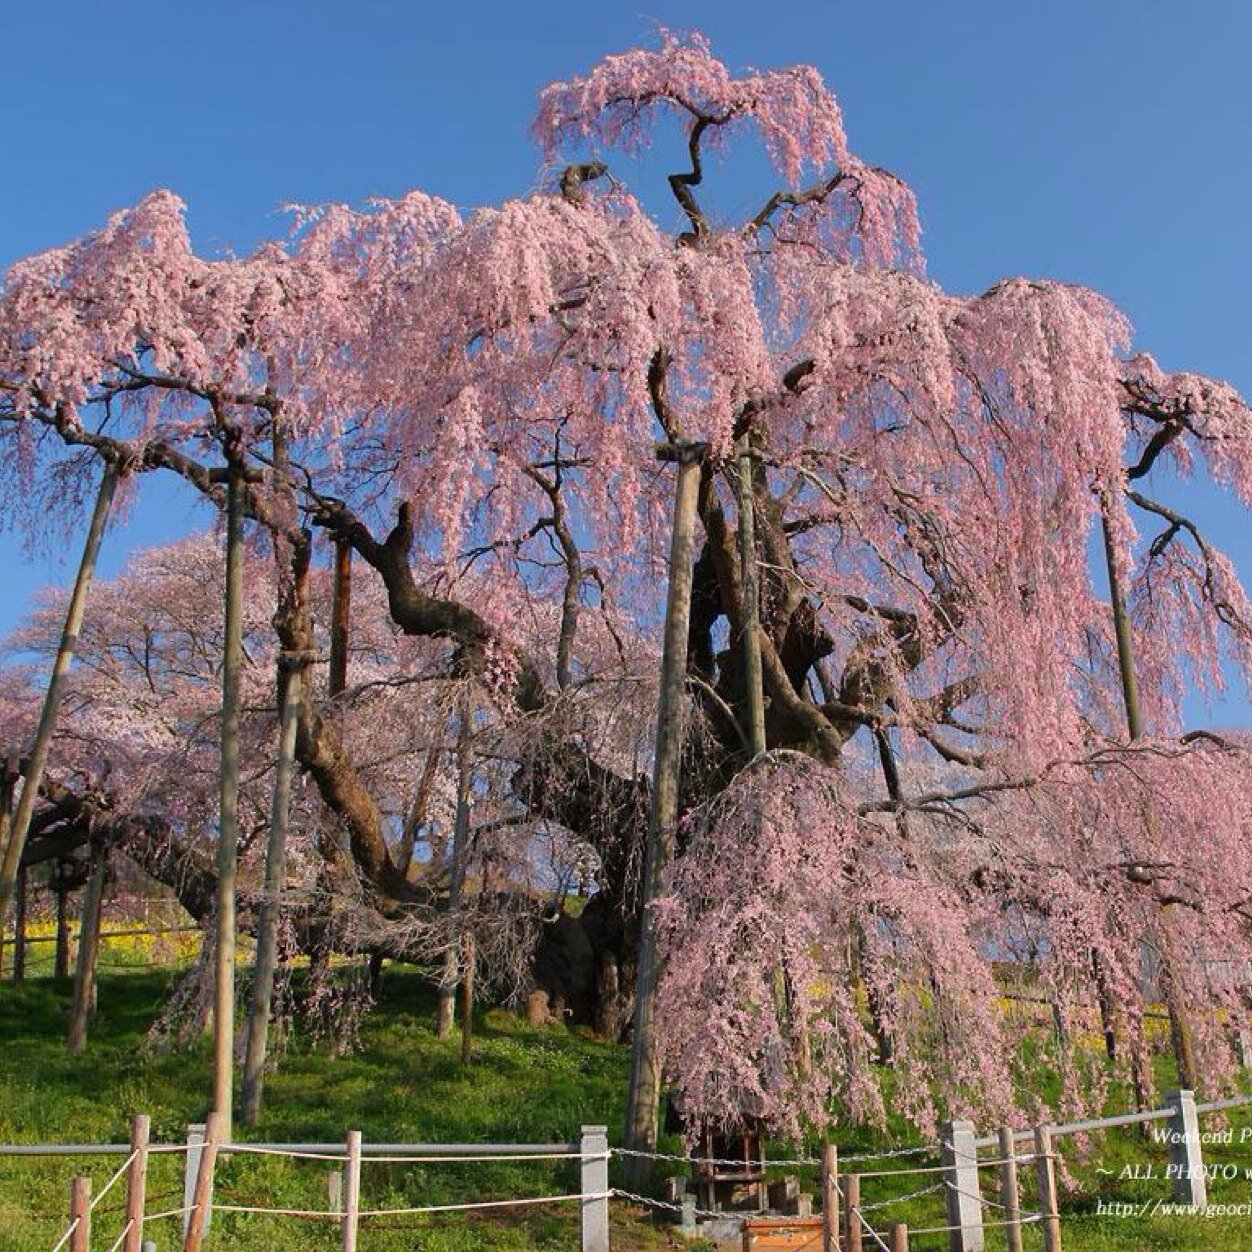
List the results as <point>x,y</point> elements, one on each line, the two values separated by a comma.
<point>901,1199</point>
<point>663,1204</point>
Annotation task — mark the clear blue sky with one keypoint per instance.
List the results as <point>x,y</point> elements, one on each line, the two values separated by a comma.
<point>1105,142</point>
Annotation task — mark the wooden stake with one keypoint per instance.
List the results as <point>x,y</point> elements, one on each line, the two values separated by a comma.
<point>900,1237</point>
<point>228,808</point>
<point>88,951</point>
<point>830,1198</point>
<point>1009,1193</point>
<point>136,1182</point>
<point>202,1197</point>
<point>644,1093</point>
<point>352,1192</point>
<point>15,844</point>
<point>852,1212</point>
<point>80,1212</point>
<point>1045,1172</point>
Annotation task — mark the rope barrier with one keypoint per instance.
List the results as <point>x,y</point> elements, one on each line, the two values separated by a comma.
<point>255,1150</point>
<point>125,1165</point>
<point>710,1160</point>
<point>873,1234</point>
<point>247,1208</point>
<point>117,1243</point>
<point>518,1156</point>
<point>486,1204</point>
<point>65,1238</point>
<point>181,1211</point>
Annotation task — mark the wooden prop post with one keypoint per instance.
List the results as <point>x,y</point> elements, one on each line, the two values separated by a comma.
<point>266,964</point>
<point>228,802</point>
<point>15,843</point>
<point>900,1237</point>
<point>750,615</point>
<point>644,1094</point>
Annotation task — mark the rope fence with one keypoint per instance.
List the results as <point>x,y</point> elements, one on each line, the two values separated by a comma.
<point>955,1178</point>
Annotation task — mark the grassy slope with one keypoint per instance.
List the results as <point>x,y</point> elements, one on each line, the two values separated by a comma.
<point>404,1084</point>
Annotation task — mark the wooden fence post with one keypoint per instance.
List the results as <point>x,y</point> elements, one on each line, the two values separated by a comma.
<point>1050,1220</point>
<point>595,1182</point>
<point>1186,1164</point>
<point>1010,1195</point>
<point>80,1213</point>
<point>963,1199</point>
<point>852,1211</point>
<point>352,1192</point>
<point>900,1237</point>
<point>830,1198</point>
<point>136,1182</point>
<point>202,1198</point>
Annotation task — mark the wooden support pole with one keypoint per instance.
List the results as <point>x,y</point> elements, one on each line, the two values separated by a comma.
<point>644,1092</point>
<point>136,1182</point>
<point>15,844</point>
<point>852,1212</point>
<point>88,951</point>
<point>1045,1172</point>
<point>202,1197</point>
<point>900,1237</point>
<point>1010,1195</point>
<point>266,962</point>
<point>352,1193</point>
<point>830,1198</point>
<point>753,680</point>
<point>80,1213</point>
<point>228,806</point>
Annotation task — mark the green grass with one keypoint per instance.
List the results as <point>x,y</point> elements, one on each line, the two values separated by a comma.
<point>525,1085</point>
